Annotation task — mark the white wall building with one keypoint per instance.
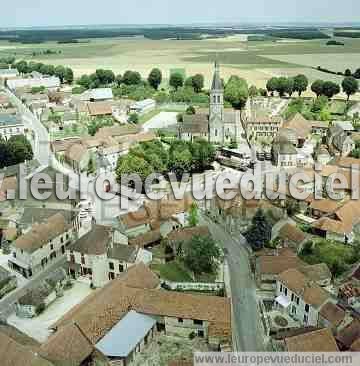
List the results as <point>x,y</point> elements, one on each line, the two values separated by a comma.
<point>10,125</point>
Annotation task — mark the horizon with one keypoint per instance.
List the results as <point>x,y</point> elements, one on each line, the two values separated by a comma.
<point>163,12</point>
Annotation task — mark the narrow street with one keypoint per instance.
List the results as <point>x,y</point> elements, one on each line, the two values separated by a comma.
<point>248,333</point>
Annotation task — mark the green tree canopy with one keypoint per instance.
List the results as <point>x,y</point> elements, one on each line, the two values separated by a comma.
<point>155,78</point>
<point>132,164</point>
<point>131,78</point>
<point>272,85</point>
<point>259,233</point>
<point>350,86</point>
<point>60,72</point>
<point>236,92</point>
<point>301,83</point>
<point>176,80</point>
<point>198,82</point>
<point>201,255</point>
<point>317,87</point>
<point>330,89</point>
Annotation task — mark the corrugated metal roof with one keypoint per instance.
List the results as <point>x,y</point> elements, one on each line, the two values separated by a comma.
<point>126,334</point>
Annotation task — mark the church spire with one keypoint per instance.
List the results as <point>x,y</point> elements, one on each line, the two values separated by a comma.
<point>217,82</point>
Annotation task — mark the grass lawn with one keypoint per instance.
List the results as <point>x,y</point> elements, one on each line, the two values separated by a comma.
<point>172,271</point>
<point>336,255</point>
<point>68,133</point>
<point>338,107</point>
<point>147,116</point>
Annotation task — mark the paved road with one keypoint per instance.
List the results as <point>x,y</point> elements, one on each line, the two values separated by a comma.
<point>41,143</point>
<point>248,333</point>
<point>8,301</point>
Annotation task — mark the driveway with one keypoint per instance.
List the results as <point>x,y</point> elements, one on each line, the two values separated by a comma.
<point>162,120</point>
<point>247,330</point>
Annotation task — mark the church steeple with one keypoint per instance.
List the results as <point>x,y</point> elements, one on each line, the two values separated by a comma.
<point>217,84</point>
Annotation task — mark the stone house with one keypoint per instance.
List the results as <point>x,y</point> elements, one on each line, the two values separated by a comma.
<point>36,249</point>
<point>340,140</point>
<point>11,125</point>
<point>300,297</point>
<point>266,127</point>
<point>98,256</point>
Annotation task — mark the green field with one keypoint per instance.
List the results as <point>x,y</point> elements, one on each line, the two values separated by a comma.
<point>255,60</point>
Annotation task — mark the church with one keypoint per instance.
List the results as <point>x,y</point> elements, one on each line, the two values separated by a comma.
<point>217,126</point>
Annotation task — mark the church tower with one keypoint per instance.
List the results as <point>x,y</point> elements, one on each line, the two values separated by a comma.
<point>216,112</point>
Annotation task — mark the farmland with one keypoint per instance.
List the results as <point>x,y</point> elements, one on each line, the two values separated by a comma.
<point>254,60</point>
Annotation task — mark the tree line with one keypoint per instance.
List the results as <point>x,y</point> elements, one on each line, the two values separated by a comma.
<point>153,157</point>
<point>65,74</point>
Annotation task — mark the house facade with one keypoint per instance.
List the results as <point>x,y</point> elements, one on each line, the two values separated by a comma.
<point>300,297</point>
<point>33,251</point>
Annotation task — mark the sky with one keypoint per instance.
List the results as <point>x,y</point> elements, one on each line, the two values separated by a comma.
<point>82,12</point>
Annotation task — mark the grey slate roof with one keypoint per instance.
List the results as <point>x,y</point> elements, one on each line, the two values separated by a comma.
<point>125,335</point>
<point>217,83</point>
<point>124,253</point>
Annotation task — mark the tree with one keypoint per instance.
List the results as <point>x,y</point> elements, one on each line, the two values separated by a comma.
<point>131,78</point>
<point>201,255</point>
<point>348,72</point>
<point>330,89</point>
<point>259,233</point>
<point>289,86</point>
<point>20,149</point>
<point>203,154</point>
<point>176,80</point>
<point>84,81</point>
<point>253,91</point>
<point>155,78</point>
<point>132,164</point>
<point>22,67</point>
<point>190,110</point>
<point>60,72</point>
<point>180,158</point>
<point>134,118</point>
<point>272,85</point>
<point>284,85</point>
<point>193,215</point>
<point>198,82</point>
<point>350,86</point>
<point>47,70</point>
<point>301,83</point>
<point>118,79</point>
<point>236,92</point>
<point>69,75</point>
<point>318,87</point>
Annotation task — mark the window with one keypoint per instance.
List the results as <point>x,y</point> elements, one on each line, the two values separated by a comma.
<point>82,259</point>
<point>61,240</point>
<point>297,300</point>
<point>14,254</point>
<point>307,308</point>
<point>285,291</point>
<point>111,265</point>
<point>306,319</point>
<point>281,288</point>
<point>198,322</point>
<point>293,310</point>
<point>121,268</point>
<point>292,297</point>
<point>201,333</point>
<point>51,246</point>
<point>180,320</point>
<point>62,249</point>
